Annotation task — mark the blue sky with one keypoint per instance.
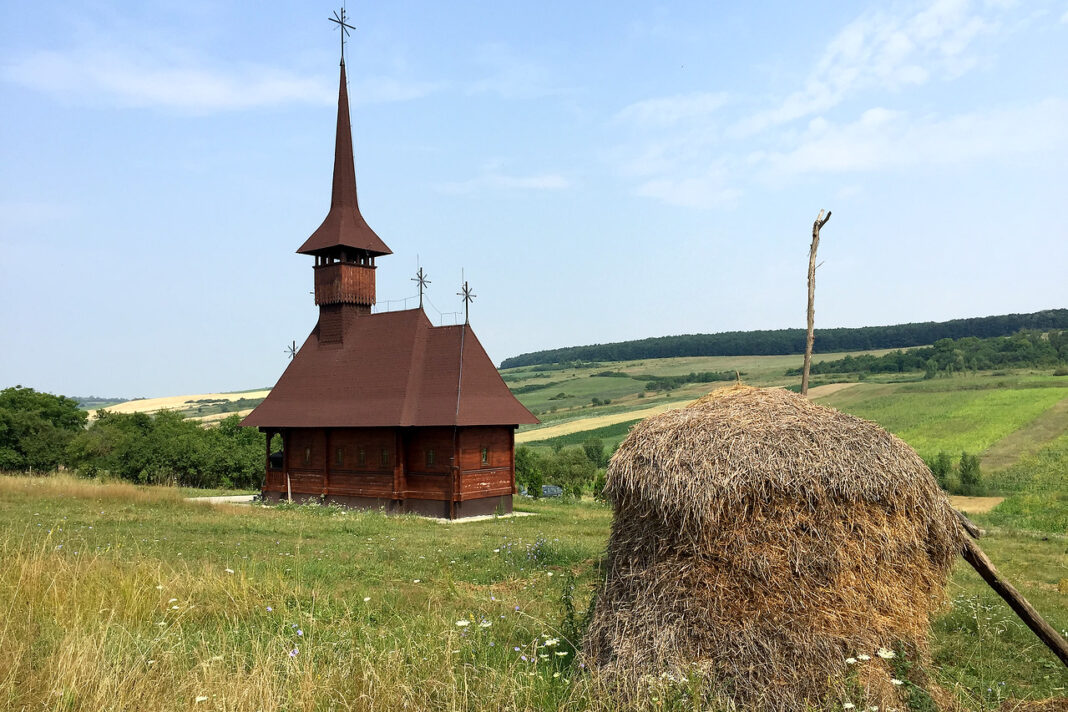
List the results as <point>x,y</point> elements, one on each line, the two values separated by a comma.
<point>600,171</point>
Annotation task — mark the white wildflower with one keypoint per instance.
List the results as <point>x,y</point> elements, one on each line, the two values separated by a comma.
<point>229,571</point>
<point>895,681</point>
<point>366,599</point>
<point>172,600</point>
<point>561,653</point>
<point>848,706</point>
<point>551,642</point>
<point>885,654</point>
<point>862,656</point>
<point>851,661</point>
<point>201,698</point>
<point>484,624</point>
<point>462,623</point>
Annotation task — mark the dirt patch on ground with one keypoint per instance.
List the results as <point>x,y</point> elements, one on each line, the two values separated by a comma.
<point>828,389</point>
<point>600,421</point>
<point>975,505</point>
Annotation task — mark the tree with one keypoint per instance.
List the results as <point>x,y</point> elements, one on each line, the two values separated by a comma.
<point>35,428</point>
<point>816,226</point>
<point>594,449</point>
<point>941,468</point>
<point>970,475</point>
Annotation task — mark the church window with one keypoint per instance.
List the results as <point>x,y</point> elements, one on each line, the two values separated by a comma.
<point>307,456</point>
<point>485,456</point>
<point>361,457</point>
<point>340,456</point>
<point>429,458</point>
<point>384,457</point>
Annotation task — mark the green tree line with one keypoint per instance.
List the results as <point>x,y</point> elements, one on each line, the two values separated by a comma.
<point>41,431</point>
<point>1025,349</point>
<point>792,341</point>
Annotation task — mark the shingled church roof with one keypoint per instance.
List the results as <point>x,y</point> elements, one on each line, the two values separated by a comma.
<point>391,369</point>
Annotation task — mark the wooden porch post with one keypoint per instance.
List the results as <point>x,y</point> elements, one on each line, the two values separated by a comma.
<point>285,464</point>
<point>326,463</point>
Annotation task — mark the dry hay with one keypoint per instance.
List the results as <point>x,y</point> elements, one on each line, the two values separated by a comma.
<point>761,540</point>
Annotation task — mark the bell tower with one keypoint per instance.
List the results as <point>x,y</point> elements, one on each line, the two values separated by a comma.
<point>344,245</point>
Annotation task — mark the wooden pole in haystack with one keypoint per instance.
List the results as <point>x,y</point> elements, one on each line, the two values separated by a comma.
<point>820,222</point>
<point>1020,605</point>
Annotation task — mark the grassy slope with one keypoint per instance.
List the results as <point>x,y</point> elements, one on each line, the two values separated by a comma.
<point>90,572</point>
<point>1005,415</point>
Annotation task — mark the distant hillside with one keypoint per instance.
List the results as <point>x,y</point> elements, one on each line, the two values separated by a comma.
<point>792,341</point>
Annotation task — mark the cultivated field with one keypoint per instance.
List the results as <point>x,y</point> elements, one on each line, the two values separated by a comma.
<point>127,598</point>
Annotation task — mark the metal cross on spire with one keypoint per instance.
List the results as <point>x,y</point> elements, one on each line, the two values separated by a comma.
<point>469,297</point>
<point>421,279</point>
<point>344,27</point>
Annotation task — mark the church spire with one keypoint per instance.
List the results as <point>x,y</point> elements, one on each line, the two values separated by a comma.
<point>344,226</point>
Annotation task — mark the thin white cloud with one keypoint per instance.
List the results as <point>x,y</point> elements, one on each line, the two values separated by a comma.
<point>887,52</point>
<point>669,111</point>
<point>700,192</point>
<point>883,139</point>
<point>511,76</point>
<point>129,79</point>
<point>498,181</point>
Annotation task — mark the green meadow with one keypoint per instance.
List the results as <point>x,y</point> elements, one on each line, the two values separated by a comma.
<point>119,597</point>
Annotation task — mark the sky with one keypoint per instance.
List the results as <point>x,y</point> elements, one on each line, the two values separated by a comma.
<point>598,171</point>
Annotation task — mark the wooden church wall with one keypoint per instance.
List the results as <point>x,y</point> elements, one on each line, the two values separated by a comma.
<point>493,477</point>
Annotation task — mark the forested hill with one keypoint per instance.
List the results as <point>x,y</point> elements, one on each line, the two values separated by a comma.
<point>792,341</point>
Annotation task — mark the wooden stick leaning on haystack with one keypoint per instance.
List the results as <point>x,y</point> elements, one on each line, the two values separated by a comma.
<point>1027,613</point>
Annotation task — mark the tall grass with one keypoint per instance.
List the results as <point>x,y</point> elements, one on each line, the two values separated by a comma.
<point>89,570</point>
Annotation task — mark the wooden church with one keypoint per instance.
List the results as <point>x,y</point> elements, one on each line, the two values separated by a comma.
<point>384,411</point>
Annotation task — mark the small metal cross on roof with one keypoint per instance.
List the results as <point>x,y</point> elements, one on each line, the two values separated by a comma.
<point>469,297</point>
<point>421,278</point>
<point>343,26</point>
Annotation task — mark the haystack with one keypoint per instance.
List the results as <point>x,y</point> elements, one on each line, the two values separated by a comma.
<point>762,540</point>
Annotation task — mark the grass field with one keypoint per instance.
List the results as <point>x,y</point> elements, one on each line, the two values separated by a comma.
<point>1000,416</point>
<point>126,598</point>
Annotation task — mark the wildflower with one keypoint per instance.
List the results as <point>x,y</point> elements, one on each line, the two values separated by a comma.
<point>561,653</point>
<point>851,661</point>
<point>172,600</point>
<point>484,624</point>
<point>862,656</point>
<point>496,551</point>
<point>548,573</point>
<point>300,632</point>
<point>516,648</point>
<point>848,706</point>
<point>885,654</point>
<point>366,599</point>
<point>200,698</point>
<point>523,657</point>
<point>269,609</point>
<point>293,652</point>
<point>551,642</point>
<point>517,608</point>
<point>415,581</point>
<point>151,662</point>
<point>556,674</point>
<point>229,571</point>
<point>159,588</point>
<point>174,608</point>
<point>543,656</point>
<point>462,623</point>
<point>895,681</point>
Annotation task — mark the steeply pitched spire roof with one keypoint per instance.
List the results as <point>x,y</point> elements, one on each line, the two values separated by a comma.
<point>344,225</point>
